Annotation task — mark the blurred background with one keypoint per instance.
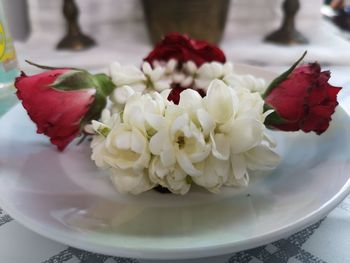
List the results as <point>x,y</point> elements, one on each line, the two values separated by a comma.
<point>123,30</point>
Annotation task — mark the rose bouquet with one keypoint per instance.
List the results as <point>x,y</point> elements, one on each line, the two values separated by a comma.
<point>184,117</point>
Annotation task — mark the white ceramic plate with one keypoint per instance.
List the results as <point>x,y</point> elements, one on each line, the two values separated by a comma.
<point>63,196</point>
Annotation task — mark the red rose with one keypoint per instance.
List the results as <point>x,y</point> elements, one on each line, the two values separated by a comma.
<point>182,48</point>
<point>303,101</point>
<point>59,105</point>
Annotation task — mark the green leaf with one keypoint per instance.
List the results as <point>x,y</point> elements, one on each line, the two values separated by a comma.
<point>74,80</point>
<point>104,83</point>
<point>104,87</point>
<point>282,77</point>
<point>273,118</point>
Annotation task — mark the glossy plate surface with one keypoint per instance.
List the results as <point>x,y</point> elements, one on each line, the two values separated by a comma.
<point>63,196</point>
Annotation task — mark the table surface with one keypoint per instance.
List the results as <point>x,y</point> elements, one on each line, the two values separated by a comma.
<point>325,241</point>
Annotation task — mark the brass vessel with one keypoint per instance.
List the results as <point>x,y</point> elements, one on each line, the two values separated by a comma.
<point>200,19</point>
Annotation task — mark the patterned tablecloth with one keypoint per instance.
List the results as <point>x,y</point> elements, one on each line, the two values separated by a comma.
<point>325,241</point>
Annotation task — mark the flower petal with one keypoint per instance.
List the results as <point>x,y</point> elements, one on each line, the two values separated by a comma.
<point>262,157</point>
<point>168,157</point>
<point>123,140</point>
<point>220,147</point>
<point>246,133</point>
<point>190,98</point>
<point>205,121</point>
<point>127,181</point>
<point>240,174</point>
<point>200,154</point>
<point>156,121</point>
<point>221,101</point>
<point>215,174</point>
<point>121,95</point>
<point>187,165</point>
<point>157,140</point>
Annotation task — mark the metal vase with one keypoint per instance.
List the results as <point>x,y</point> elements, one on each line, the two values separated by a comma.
<point>200,19</point>
<point>287,34</point>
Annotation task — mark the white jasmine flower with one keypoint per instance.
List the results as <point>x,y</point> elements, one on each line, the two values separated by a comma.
<point>127,148</point>
<point>221,102</point>
<point>173,177</point>
<point>146,112</point>
<point>99,151</point>
<point>192,103</point>
<point>101,130</point>
<point>127,76</point>
<point>259,158</point>
<point>253,84</point>
<point>130,79</point>
<point>122,94</point>
<point>240,129</point>
<point>186,77</point>
<point>123,147</point>
<point>169,66</point>
<point>130,181</point>
<point>212,141</point>
<point>178,77</point>
<point>190,68</point>
<point>215,173</point>
<point>155,78</point>
<point>124,150</point>
<point>210,71</point>
<point>252,105</point>
<point>186,82</point>
<point>182,142</point>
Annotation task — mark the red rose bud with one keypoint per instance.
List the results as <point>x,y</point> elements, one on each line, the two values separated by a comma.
<point>61,101</point>
<point>183,49</point>
<point>304,100</point>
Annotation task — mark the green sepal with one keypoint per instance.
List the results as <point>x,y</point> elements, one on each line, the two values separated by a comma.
<point>104,83</point>
<point>74,80</point>
<point>104,87</point>
<point>95,110</point>
<point>273,118</point>
<point>282,77</point>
